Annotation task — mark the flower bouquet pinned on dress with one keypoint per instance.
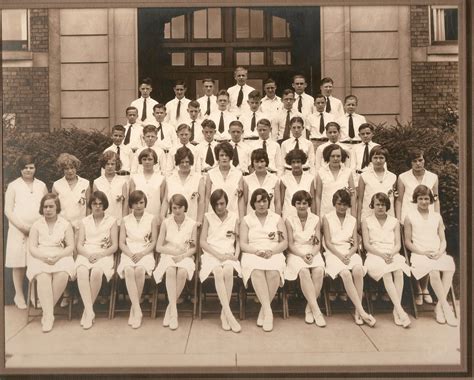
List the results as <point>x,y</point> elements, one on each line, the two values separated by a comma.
<point>393,192</point>
<point>229,234</point>
<point>147,239</point>
<point>276,235</point>
<point>313,240</point>
<point>105,243</point>
<point>82,199</point>
<point>349,190</point>
<point>62,243</point>
<point>195,195</point>
<point>120,198</point>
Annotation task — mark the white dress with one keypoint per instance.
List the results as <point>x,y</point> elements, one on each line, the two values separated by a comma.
<point>97,240</point>
<point>113,191</point>
<point>425,237</point>
<point>49,242</point>
<point>303,240</point>
<point>230,185</point>
<point>189,189</point>
<point>262,237</point>
<point>340,237</point>
<point>177,237</point>
<point>374,185</point>
<point>221,237</point>
<point>410,182</point>
<point>73,201</point>
<point>152,189</point>
<point>138,238</point>
<point>269,184</point>
<point>26,208</point>
<point>383,239</point>
<point>330,185</point>
<point>291,187</point>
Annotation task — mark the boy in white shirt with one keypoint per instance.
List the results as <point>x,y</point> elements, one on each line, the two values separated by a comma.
<point>303,102</point>
<point>281,121</point>
<point>333,132</point>
<point>271,103</point>
<point>176,108</point>
<point>194,120</point>
<point>124,151</point>
<point>333,105</point>
<point>241,156</point>
<point>350,123</point>
<point>250,118</point>
<point>133,130</point>
<point>165,131</point>
<point>317,121</point>
<point>144,104</point>
<point>205,158</point>
<point>208,102</point>
<point>150,136</point>
<point>270,146</point>
<point>222,117</point>
<point>298,141</point>
<point>239,92</point>
<point>360,155</point>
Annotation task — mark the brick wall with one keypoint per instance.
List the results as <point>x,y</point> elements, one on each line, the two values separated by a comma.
<point>419,26</point>
<point>39,30</point>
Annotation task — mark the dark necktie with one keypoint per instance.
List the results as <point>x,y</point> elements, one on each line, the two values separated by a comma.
<point>192,131</point>
<point>178,110</point>
<point>127,136</point>
<point>160,128</point>
<point>208,111</point>
<point>297,145</point>
<point>264,145</point>
<point>240,98</point>
<point>328,105</point>
<point>351,127</point>
<point>209,156</point>
<point>221,123</point>
<point>235,156</point>
<point>286,132</point>
<point>300,103</point>
<point>365,159</point>
<point>118,151</point>
<point>321,123</point>
<point>144,110</point>
<point>253,123</point>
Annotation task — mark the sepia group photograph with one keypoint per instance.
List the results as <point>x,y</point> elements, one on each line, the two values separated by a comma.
<point>236,189</point>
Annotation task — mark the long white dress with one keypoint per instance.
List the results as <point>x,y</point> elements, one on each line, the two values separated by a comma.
<point>425,237</point>
<point>138,238</point>
<point>303,240</point>
<point>374,185</point>
<point>26,208</point>
<point>113,191</point>
<point>221,237</point>
<point>269,183</point>
<point>50,242</point>
<point>291,187</point>
<point>330,185</point>
<point>189,189</point>
<point>97,240</point>
<point>178,237</point>
<point>230,185</point>
<point>410,182</point>
<point>341,235</point>
<point>264,236</point>
<point>382,237</point>
<point>151,187</point>
<point>73,201</point>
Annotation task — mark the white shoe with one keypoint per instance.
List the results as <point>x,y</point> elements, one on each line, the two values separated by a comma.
<point>319,320</point>
<point>88,321</point>
<point>358,319</point>
<point>451,320</point>
<point>308,315</point>
<point>405,320</point>
<point>396,318</point>
<point>419,299</point>
<point>166,318</point>
<point>137,321</point>
<point>225,323</point>
<point>234,325</point>
<point>260,318</point>
<point>439,314</point>
<point>131,317</point>
<point>173,322</point>
<point>20,302</point>
<point>47,324</point>
<point>427,298</point>
<point>268,323</point>
<point>64,302</point>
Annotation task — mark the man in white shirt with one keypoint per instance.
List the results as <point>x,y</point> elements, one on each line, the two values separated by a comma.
<point>272,148</point>
<point>271,103</point>
<point>298,141</point>
<point>350,123</point>
<point>124,151</point>
<point>333,105</point>
<point>145,103</point>
<point>250,118</point>
<point>194,120</point>
<point>222,117</point>
<point>241,157</point>
<point>360,154</point>
<point>239,92</point>
<point>208,102</point>
<point>281,121</point>
<point>133,130</point>
<point>303,102</point>
<point>165,131</point>
<point>176,108</point>
<point>205,158</point>
<point>317,121</point>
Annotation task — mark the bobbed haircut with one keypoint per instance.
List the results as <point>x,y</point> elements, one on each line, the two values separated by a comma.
<point>259,192</point>
<point>47,197</point>
<point>413,154</point>
<point>379,151</point>
<point>296,154</point>
<point>300,196</point>
<point>148,152</point>
<point>179,200</point>
<point>99,195</point>
<point>25,159</point>
<point>332,147</point>
<point>65,160</point>
<point>422,190</point>
<point>216,196</point>
<point>135,197</point>
<point>259,154</point>
<point>381,197</point>
<point>181,154</point>
<point>343,196</point>
<point>226,147</point>
<point>110,155</point>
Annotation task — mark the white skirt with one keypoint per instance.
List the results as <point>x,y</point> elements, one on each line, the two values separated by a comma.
<point>422,265</point>
<point>334,266</point>
<point>377,267</point>
<point>167,261</point>
<point>36,267</point>
<point>16,249</point>
<point>105,263</point>
<point>209,262</point>
<point>295,263</point>
<point>147,262</point>
<point>250,262</point>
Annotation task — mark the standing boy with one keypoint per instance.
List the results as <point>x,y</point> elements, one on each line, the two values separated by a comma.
<point>271,103</point>
<point>250,118</point>
<point>222,117</point>
<point>333,105</point>
<point>270,146</point>
<point>194,120</point>
<point>298,141</point>
<point>124,151</point>
<point>303,102</point>
<point>208,101</point>
<point>241,156</point>
<point>281,122</point>
<point>360,153</point>
<point>133,130</point>
<point>317,121</point>
<point>176,108</point>
<point>144,104</point>
<point>350,123</point>
<point>239,92</point>
<point>205,158</point>
<point>165,131</point>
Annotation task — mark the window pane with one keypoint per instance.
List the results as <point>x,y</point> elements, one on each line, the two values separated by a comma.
<point>200,24</point>
<point>242,58</point>
<point>278,27</point>
<point>167,30</point>
<point>256,24</point>
<point>177,27</point>
<point>257,58</point>
<point>288,35</point>
<point>279,58</point>
<point>214,26</point>
<point>451,24</point>
<point>15,29</point>
<point>215,59</point>
<point>177,59</point>
<point>256,84</point>
<point>288,59</point>
<point>200,59</point>
<point>242,21</point>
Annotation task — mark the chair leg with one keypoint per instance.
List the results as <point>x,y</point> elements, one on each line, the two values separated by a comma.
<point>154,303</point>
<point>200,301</point>
<point>244,302</point>
<point>28,301</point>
<point>327,302</point>
<point>196,285</point>
<point>453,300</point>
<point>111,296</point>
<point>412,295</point>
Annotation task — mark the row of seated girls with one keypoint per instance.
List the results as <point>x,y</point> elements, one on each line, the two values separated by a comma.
<point>246,224</point>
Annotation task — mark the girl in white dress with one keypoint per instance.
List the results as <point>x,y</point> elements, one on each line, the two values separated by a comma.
<point>342,259</point>
<point>261,178</point>
<point>381,238</point>
<point>151,182</point>
<point>187,182</point>
<point>96,244</point>
<point>227,177</point>
<point>406,184</point>
<point>263,239</point>
<point>113,186</point>
<point>376,179</point>
<point>304,259</point>
<point>424,237</point>
<point>50,259</point>
<point>221,253</point>
<point>25,190</point>
<point>332,177</point>
<point>138,234</point>
<point>177,246</point>
<point>295,180</point>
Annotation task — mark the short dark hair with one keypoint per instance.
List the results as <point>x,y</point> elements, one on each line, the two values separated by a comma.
<point>381,197</point>
<point>365,126</point>
<point>297,119</point>
<point>259,154</point>
<point>118,127</point>
<point>237,123</point>
<point>422,190</point>
<point>194,104</point>
<point>136,196</point>
<point>147,152</point>
<point>288,91</point>
<point>226,147</point>
<point>343,196</point>
<point>180,82</point>
<point>25,159</point>
<point>130,108</point>
<point>379,151</point>
<point>296,154</point>
<point>298,76</point>
<point>146,80</point>
<point>326,80</point>
<point>99,195</point>
<point>333,124</point>
<point>351,97</point>
<point>159,105</point>
<point>223,93</point>
<point>181,154</point>
<point>254,94</point>
<point>264,122</point>
<point>149,128</point>
<point>183,126</point>
<point>208,80</point>
<point>300,196</point>
<point>256,193</point>
<point>47,197</point>
<point>208,123</point>
<point>216,196</point>
<point>330,148</point>
<point>413,154</point>
<point>179,200</point>
<point>319,95</point>
<point>110,155</point>
<point>269,80</point>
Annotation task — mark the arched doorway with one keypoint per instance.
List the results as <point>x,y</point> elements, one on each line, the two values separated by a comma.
<point>195,43</point>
